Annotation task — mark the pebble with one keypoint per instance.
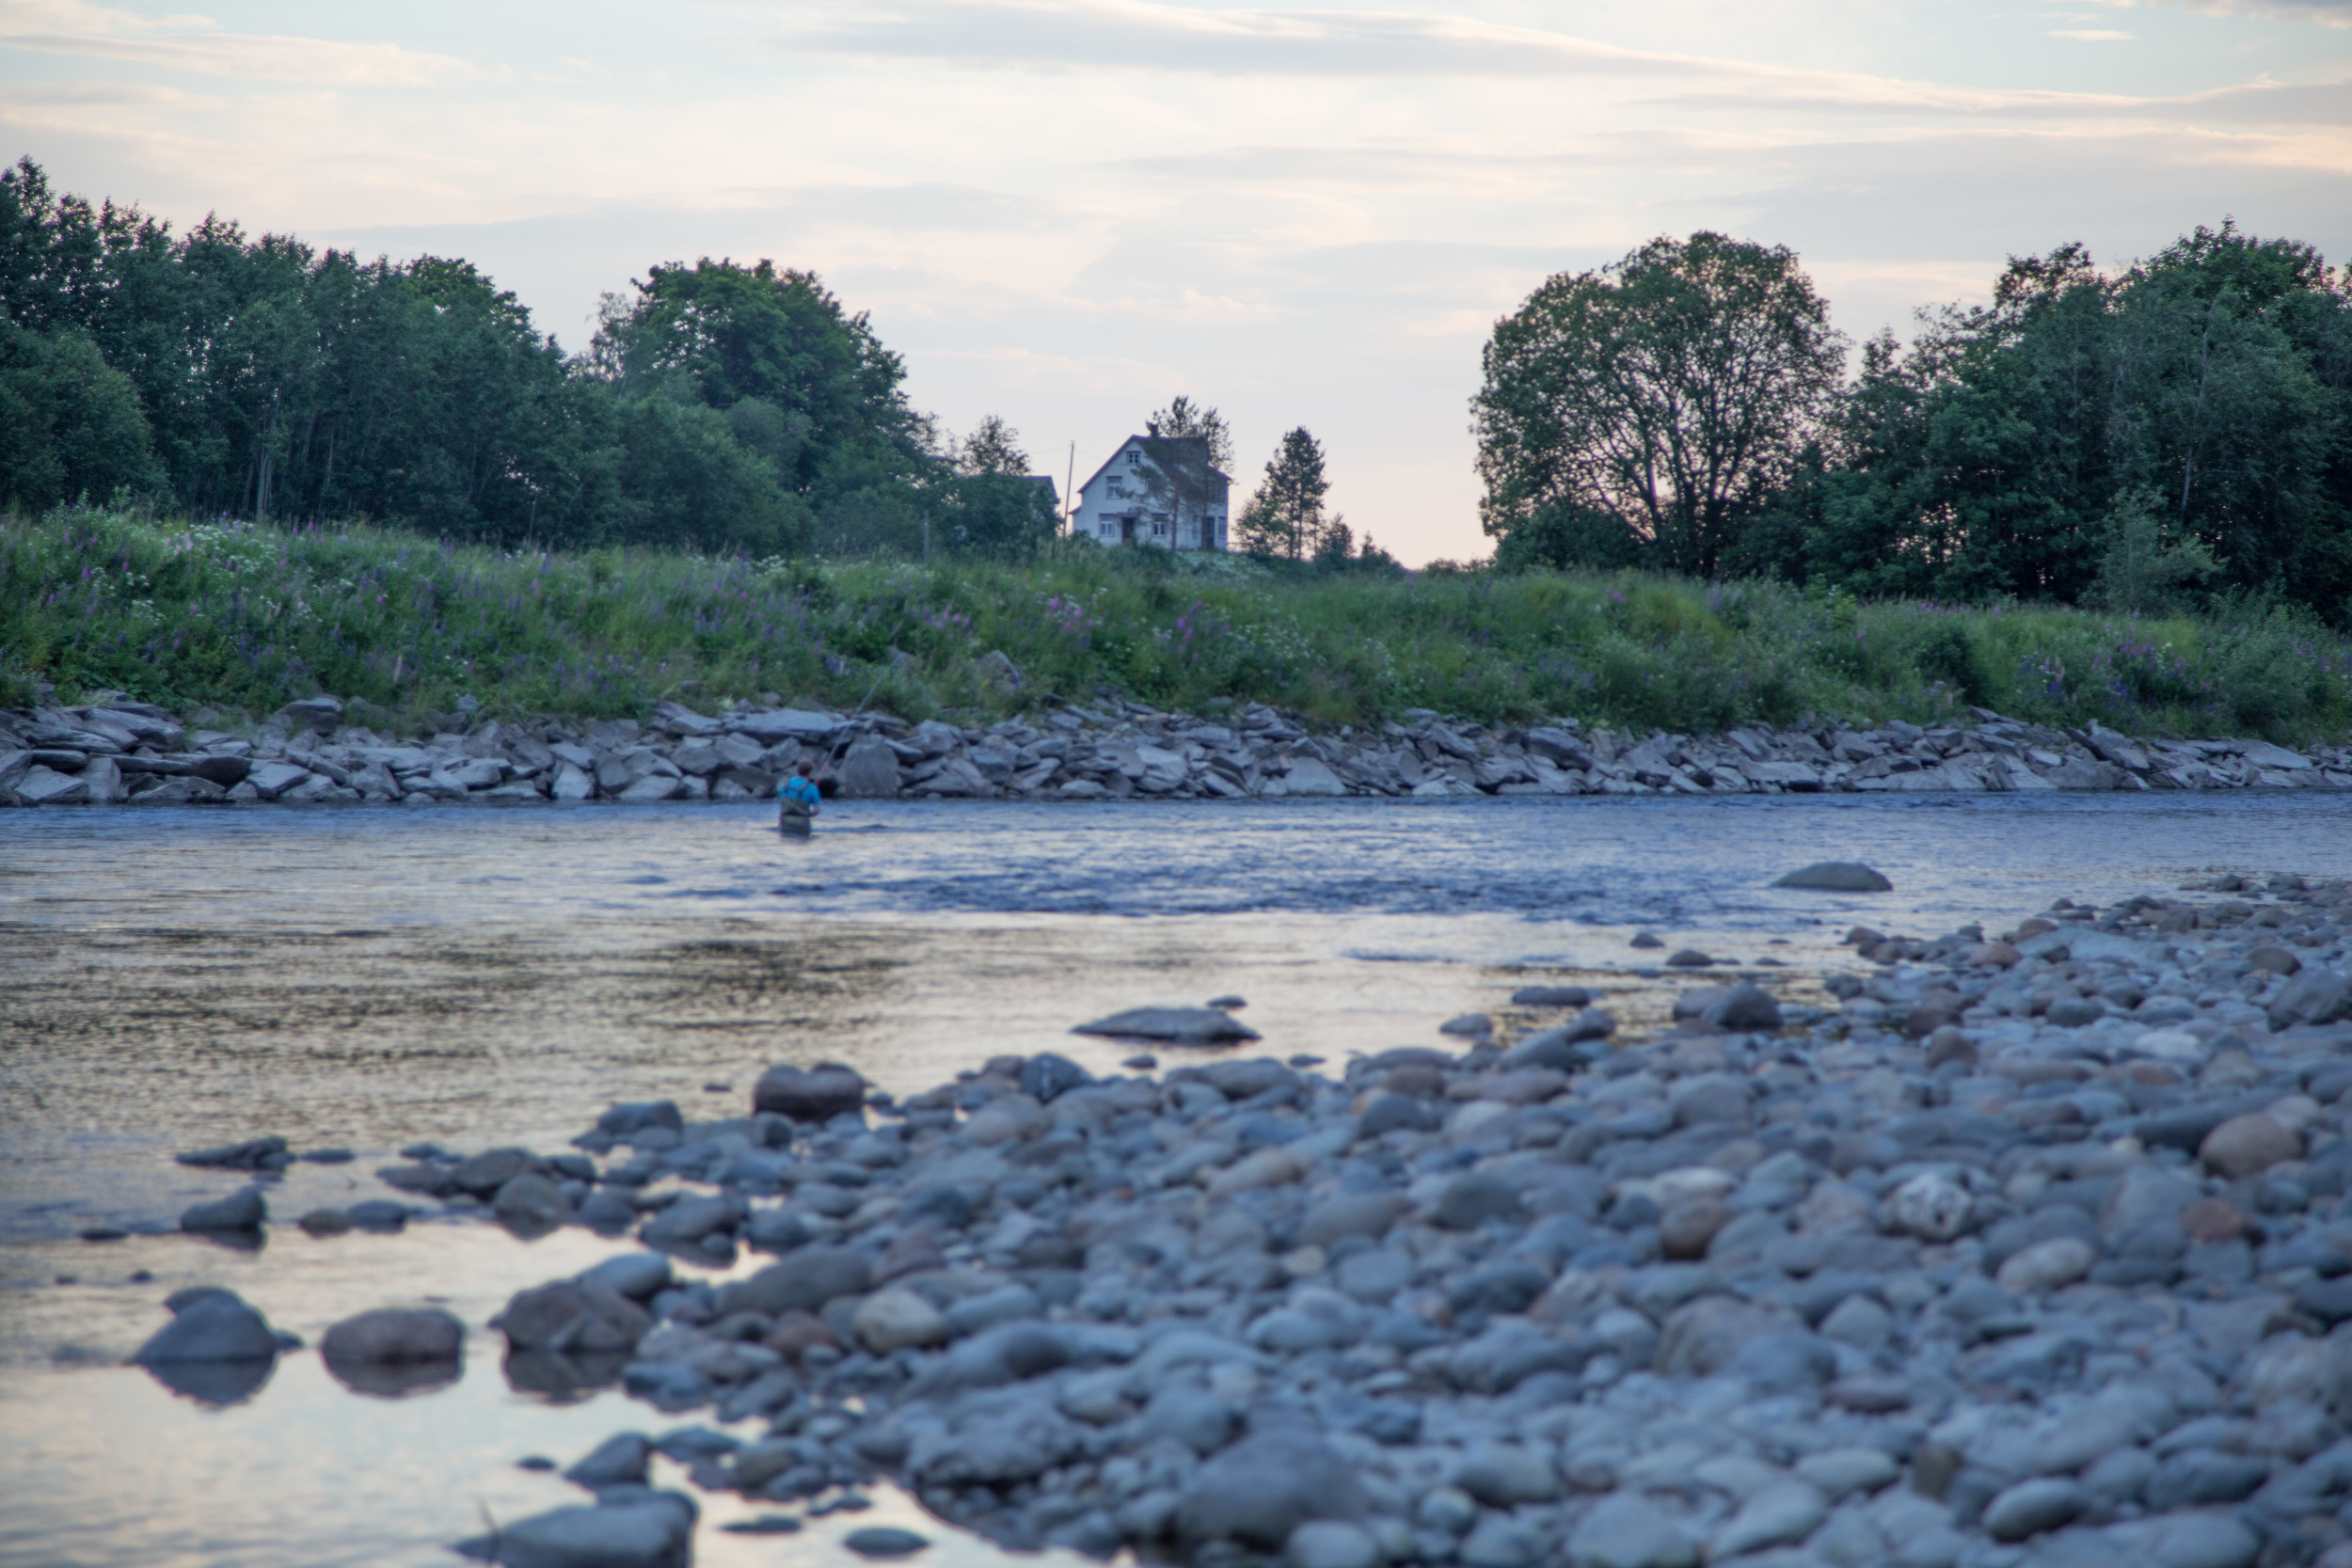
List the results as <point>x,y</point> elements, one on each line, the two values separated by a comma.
<point>884,1541</point>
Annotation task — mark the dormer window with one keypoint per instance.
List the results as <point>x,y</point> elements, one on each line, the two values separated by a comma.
<point>1135,456</point>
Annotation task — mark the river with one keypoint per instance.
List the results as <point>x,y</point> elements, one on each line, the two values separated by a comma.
<point>475,977</point>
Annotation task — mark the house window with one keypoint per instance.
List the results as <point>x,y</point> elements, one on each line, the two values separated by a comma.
<point>1135,456</point>
<point>1118,488</point>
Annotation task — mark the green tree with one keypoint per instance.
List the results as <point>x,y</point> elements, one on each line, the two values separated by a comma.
<point>69,424</point>
<point>1672,390</point>
<point>1183,418</point>
<point>2186,417</point>
<point>992,448</point>
<point>1285,518</point>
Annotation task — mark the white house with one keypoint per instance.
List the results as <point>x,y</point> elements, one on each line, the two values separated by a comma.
<point>1116,506</point>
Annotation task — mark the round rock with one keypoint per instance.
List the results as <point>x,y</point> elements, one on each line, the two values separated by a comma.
<point>894,1319</point>
<point>884,1541</point>
<point>2031,1507</point>
<point>2047,1265</point>
<point>2247,1146</point>
<point>811,1094</point>
<point>1837,876</point>
<point>1930,1206</point>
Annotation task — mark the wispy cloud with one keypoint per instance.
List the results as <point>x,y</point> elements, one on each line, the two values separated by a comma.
<point>2090,34</point>
<point>200,46</point>
<point>1128,35</point>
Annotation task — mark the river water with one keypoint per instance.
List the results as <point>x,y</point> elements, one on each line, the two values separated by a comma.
<point>476,976</point>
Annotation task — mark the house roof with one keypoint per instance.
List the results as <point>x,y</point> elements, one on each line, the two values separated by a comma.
<point>1131,441</point>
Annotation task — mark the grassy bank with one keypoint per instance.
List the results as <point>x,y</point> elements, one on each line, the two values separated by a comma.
<point>247,616</point>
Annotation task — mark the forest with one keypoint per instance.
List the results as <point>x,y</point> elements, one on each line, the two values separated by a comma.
<point>719,407</point>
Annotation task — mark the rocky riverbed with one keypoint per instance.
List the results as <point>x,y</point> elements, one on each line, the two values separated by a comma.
<point>311,751</point>
<point>2026,1246</point>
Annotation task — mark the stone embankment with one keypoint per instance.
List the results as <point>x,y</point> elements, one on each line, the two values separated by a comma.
<point>132,752</point>
<point>2024,1248</point>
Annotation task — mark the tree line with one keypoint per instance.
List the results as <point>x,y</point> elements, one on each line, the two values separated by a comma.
<point>2148,437</point>
<point>718,405</point>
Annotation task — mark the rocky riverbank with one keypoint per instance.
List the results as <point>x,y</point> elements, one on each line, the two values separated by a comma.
<point>2029,1247</point>
<point>311,753</point>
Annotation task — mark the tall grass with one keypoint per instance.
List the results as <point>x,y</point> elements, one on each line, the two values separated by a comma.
<point>245,616</point>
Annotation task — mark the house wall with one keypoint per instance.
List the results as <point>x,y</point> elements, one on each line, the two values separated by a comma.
<point>1114,508</point>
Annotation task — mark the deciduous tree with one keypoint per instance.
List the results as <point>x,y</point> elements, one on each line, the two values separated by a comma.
<point>1671,390</point>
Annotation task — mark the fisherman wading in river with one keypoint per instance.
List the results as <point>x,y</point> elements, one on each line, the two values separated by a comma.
<point>797,804</point>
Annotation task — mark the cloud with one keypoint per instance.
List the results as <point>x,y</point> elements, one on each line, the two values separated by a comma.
<point>2328,13</point>
<point>2090,34</point>
<point>198,44</point>
<point>1129,34</point>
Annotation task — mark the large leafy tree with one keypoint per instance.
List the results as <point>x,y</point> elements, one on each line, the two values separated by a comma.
<point>1671,392</point>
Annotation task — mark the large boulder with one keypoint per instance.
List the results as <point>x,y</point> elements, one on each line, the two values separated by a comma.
<point>809,1094</point>
<point>868,772</point>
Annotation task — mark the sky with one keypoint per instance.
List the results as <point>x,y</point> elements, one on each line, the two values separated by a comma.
<point>1065,212</point>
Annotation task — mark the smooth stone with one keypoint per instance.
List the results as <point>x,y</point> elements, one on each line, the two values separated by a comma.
<point>655,1531</point>
<point>1503,1475</point>
<point>1499,1541</point>
<point>1176,1025</point>
<point>634,1275</point>
<point>894,1319</point>
<point>393,1351</point>
<point>1837,876</point>
<point>1930,1206</point>
<point>1550,996</point>
<point>884,1541</point>
<point>1367,1214</point>
<point>1628,1530</point>
<point>1266,1486</point>
<point>209,1324</point>
<point>1045,1076</point>
<point>1331,1543</point>
<point>2031,1507</point>
<point>2047,1265</point>
<point>1476,1199</point>
<point>1744,1008</point>
<point>809,1094</point>
<point>1193,1417</point>
<point>2247,1146</point>
<point>1841,1471</point>
<point>620,1460</point>
<point>1779,1516</point>
<point>531,1205</point>
<point>573,1315</point>
<point>243,1209</point>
